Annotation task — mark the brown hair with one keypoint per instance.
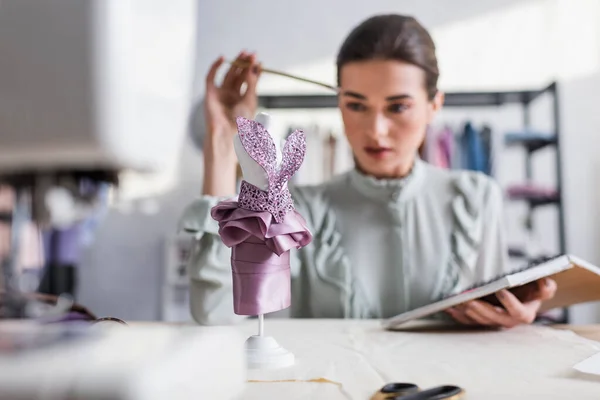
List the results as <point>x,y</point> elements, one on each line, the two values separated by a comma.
<point>392,37</point>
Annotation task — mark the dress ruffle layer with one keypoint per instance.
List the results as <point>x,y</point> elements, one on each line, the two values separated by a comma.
<point>260,258</point>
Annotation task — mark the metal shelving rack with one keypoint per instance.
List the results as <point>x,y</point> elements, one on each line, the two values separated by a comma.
<point>532,145</point>
<point>524,98</point>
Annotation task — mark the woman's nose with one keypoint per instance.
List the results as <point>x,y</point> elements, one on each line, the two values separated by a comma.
<point>378,126</point>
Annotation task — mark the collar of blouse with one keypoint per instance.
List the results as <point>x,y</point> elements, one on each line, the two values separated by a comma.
<point>390,190</point>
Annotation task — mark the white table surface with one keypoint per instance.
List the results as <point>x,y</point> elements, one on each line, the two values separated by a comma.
<point>358,357</point>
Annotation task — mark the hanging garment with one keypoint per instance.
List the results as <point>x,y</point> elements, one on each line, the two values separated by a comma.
<point>329,160</point>
<point>472,147</point>
<point>435,149</point>
<point>457,157</point>
<point>438,158</point>
<point>486,140</point>
<point>427,147</point>
<point>445,144</point>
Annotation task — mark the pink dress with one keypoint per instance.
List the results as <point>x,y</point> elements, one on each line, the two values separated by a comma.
<point>261,227</point>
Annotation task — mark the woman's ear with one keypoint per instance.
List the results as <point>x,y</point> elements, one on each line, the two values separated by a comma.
<point>436,105</point>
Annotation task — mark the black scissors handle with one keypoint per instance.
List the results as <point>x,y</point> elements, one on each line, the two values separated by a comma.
<point>395,390</point>
<point>446,392</point>
<point>410,391</point>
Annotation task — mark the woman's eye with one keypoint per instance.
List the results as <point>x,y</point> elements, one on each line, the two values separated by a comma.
<point>355,106</point>
<point>397,108</point>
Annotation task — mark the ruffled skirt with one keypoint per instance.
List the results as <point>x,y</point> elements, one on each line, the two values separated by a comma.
<point>260,255</point>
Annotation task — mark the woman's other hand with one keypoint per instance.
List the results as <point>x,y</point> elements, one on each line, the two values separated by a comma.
<point>236,96</point>
<point>477,312</point>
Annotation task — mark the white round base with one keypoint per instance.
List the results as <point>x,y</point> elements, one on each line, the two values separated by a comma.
<point>263,352</point>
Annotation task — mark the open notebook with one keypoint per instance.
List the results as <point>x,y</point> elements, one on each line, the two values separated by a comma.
<point>578,282</point>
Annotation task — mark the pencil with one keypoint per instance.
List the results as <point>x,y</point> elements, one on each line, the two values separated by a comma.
<point>243,64</point>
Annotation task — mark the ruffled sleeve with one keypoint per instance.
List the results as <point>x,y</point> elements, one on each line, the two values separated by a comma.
<point>322,281</point>
<point>478,241</point>
<point>209,266</point>
<point>196,218</point>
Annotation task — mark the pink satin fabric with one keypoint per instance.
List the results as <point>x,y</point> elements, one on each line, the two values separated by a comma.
<point>260,257</point>
<point>261,279</point>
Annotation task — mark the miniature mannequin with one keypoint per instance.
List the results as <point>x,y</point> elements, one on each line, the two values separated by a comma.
<point>261,228</point>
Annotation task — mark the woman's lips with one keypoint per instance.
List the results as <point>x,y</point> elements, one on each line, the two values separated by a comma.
<point>378,152</point>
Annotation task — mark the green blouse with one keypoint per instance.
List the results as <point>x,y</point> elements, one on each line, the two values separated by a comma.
<point>380,247</point>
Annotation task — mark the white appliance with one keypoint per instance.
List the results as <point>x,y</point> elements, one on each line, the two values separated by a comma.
<point>94,84</point>
<point>89,89</point>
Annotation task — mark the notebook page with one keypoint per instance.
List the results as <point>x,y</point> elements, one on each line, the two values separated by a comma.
<point>540,271</point>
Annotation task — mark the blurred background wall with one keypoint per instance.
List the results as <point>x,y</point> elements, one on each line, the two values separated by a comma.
<point>482,45</point>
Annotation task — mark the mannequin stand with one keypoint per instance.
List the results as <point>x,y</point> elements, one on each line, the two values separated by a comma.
<point>263,352</point>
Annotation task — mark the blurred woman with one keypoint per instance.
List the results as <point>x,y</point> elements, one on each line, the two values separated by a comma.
<point>394,233</point>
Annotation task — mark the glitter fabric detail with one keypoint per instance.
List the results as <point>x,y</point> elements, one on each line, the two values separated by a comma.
<point>252,198</point>
<point>292,158</point>
<point>259,145</point>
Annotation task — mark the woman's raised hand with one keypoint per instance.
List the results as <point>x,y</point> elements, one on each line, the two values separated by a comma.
<point>236,96</point>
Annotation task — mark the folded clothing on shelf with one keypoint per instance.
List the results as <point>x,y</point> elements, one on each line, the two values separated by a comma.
<point>528,136</point>
<point>531,191</point>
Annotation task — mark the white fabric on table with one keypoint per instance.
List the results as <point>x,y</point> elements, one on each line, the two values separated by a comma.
<point>527,362</point>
